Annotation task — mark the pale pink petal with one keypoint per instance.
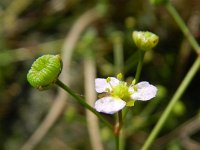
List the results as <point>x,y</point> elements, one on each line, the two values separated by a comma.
<point>109,105</point>
<point>101,84</point>
<point>145,91</point>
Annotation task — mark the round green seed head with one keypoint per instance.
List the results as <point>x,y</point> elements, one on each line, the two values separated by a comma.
<point>45,71</point>
<point>145,40</point>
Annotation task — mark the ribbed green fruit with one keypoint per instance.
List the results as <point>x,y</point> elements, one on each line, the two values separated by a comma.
<point>45,71</point>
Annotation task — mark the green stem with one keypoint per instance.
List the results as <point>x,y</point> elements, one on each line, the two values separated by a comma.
<point>117,131</point>
<point>119,66</point>
<point>117,142</point>
<point>122,140</point>
<point>83,103</point>
<point>139,67</point>
<point>183,27</point>
<point>173,101</point>
<point>118,56</point>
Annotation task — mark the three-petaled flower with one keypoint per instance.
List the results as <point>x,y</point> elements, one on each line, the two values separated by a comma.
<point>119,94</point>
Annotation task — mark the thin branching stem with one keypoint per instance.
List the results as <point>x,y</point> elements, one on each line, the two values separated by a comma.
<point>181,89</point>
<point>183,27</point>
<point>117,130</point>
<point>186,81</point>
<point>118,55</point>
<point>119,67</point>
<point>139,67</point>
<point>83,103</point>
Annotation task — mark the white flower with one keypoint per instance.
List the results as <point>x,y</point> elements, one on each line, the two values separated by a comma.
<point>101,84</point>
<point>109,105</point>
<point>144,92</point>
<point>119,94</point>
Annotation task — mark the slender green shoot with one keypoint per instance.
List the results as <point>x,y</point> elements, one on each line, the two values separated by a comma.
<point>83,103</point>
<point>181,89</point>
<point>139,66</point>
<point>183,27</point>
<point>118,54</point>
<point>117,130</point>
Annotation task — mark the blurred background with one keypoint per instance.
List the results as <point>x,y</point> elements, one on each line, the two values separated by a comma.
<point>94,29</point>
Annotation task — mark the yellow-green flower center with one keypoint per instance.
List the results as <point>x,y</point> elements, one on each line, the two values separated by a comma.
<point>121,91</point>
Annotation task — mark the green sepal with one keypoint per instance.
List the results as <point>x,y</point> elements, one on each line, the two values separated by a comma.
<point>130,103</point>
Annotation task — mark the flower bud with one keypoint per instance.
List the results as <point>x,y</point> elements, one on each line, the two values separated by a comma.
<point>45,71</point>
<point>145,40</point>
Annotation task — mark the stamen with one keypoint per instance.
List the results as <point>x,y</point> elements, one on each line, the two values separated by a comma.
<point>108,79</point>
<point>120,76</point>
<point>133,82</point>
<point>135,88</point>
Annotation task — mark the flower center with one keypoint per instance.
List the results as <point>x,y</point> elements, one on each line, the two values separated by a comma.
<point>121,91</point>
